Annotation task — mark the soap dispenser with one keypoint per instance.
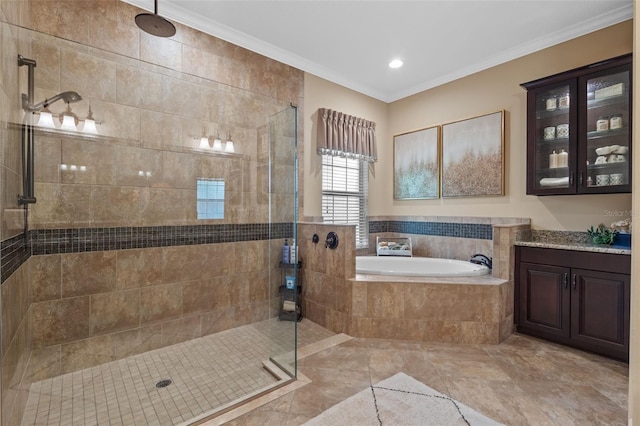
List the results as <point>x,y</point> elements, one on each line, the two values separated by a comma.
<point>553,160</point>
<point>285,252</point>
<point>563,159</point>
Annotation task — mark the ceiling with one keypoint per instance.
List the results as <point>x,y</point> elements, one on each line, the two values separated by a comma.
<point>351,42</point>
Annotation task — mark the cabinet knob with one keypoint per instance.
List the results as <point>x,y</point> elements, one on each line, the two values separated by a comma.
<point>574,281</point>
<point>566,281</point>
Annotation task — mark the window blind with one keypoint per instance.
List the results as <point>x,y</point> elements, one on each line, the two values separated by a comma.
<point>344,194</point>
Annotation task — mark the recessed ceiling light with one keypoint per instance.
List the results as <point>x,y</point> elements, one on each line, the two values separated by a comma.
<point>396,63</point>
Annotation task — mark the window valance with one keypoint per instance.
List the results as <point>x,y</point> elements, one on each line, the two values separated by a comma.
<point>344,135</point>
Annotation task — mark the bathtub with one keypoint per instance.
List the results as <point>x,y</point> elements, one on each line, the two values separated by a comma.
<point>418,266</point>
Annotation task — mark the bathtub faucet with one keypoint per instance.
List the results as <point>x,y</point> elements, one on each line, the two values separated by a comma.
<point>481,259</point>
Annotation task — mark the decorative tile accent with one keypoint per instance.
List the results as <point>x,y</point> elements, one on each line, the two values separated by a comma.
<point>54,241</point>
<point>442,229</point>
<point>15,252</point>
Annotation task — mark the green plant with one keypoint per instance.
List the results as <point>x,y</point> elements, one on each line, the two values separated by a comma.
<point>602,234</point>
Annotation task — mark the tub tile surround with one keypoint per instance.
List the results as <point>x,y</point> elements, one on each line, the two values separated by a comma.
<point>456,310</point>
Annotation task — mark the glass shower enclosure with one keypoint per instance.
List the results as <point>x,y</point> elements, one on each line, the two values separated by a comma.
<point>148,283</point>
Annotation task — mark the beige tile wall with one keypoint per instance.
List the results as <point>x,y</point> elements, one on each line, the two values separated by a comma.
<point>433,311</point>
<point>142,299</point>
<point>325,275</point>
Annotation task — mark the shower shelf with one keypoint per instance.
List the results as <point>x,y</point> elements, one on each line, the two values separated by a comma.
<point>290,294</point>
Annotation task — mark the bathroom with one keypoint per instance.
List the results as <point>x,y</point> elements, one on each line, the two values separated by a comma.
<point>149,97</point>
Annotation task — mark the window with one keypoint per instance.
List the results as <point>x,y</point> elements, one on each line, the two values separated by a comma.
<point>344,194</point>
<point>210,198</point>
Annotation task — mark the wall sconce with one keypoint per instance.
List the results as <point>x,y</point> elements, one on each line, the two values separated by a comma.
<point>69,121</point>
<point>228,147</point>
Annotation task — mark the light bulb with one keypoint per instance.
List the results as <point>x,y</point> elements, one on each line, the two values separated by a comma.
<point>46,119</point>
<point>68,119</point>
<point>217,144</point>
<point>90,123</point>
<point>90,126</point>
<point>204,142</point>
<point>68,123</point>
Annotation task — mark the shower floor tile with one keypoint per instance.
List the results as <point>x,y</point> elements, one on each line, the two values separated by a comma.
<point>206,373</point>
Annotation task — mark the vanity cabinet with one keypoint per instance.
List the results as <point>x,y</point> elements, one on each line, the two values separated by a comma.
<point>581,299</point>
<point>579,130</point>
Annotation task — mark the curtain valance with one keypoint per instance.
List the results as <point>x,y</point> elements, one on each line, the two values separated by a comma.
<point>344,135</point>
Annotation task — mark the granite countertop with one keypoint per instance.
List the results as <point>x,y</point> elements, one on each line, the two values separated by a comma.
<point>578,246</point>
<point>566,240</point>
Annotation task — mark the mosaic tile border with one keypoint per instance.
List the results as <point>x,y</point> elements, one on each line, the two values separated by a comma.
<point>13,253</point>
<point>77,240</point>
<point>479,231</point>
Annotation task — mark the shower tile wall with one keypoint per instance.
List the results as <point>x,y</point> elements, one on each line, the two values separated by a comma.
<point>153,98</point>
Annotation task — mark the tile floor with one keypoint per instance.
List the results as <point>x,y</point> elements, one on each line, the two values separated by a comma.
<point>207,373</point>
<point>523,381</point>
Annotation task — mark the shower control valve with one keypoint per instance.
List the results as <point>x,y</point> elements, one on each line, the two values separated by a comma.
<point>332,240</point>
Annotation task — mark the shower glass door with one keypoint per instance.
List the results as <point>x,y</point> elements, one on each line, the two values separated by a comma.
<point>285,280</point>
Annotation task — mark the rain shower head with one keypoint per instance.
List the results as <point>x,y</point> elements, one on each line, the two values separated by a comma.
<point>155,24</point>
<point>68,97</point>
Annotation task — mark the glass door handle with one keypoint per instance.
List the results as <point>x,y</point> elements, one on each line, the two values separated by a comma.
<point>572,178</point>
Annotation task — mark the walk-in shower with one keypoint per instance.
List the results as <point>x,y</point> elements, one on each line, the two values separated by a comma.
<point>123,302</point>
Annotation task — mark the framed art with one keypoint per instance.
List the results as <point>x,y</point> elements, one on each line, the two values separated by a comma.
<point>473,157</point>
<point>415,164</point>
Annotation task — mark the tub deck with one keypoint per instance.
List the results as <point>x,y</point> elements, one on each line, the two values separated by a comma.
<point>475,280</point>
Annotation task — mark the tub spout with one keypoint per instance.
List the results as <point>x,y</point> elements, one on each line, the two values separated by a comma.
<point>481,259</point>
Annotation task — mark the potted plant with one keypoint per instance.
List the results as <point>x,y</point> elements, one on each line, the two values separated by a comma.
<point>602,234</point>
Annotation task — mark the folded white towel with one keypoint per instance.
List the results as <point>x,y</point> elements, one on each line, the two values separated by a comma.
<point>563,181</point>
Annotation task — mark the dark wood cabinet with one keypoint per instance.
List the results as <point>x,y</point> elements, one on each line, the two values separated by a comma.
<point>544,299</point>
<point>579,130</point>
<point>559,299</point>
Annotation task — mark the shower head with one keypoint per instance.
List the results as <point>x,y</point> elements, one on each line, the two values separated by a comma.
<point>155,24</point>
<point>68,97</point>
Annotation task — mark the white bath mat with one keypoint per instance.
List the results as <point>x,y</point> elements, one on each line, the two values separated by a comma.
<point>400,400</point>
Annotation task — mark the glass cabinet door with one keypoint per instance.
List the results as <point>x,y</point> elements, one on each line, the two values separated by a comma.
<point>554,153</point>
<point>608,131</point>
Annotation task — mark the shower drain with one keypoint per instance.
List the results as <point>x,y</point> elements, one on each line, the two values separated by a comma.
<point>163,383</point>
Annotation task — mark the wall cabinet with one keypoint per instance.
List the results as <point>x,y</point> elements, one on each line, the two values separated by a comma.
<point>581,299</point>
<point>579,130</point>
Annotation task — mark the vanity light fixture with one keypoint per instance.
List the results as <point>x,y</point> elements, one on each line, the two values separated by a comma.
<point>396,63</point>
